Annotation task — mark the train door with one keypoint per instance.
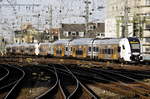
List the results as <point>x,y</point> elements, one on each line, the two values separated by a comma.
<point>74,51</point>
<point>84,51</point>
<point>102,52</point>
<point>108,52</point>
<point>55,50</point>
<point>71,52</point>
<point>116,50</point>
<point>63,50</point>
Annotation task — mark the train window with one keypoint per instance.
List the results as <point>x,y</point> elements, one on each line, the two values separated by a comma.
<point>60,51</point>
<point>66,48</point>
<point>79,52</point>
<point>94,49</point>
<point>135,46</point>
<point>71,48</point>
<point>57,51</point>
<point>89,49</point>
<point>31,49</point>
<point>40,49</point>
<point>111,51</point>
<point>100,50</point>
<point>123,46</point>
<point>119,49</point>
<point>8,49</point>
<point>97,49</point>
<point>105,51</point>
<point>108,51</point>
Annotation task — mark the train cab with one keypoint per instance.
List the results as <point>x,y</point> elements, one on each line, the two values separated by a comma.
<point>130,49</point>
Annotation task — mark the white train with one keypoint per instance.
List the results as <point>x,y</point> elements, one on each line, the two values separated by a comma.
<point>124,49</point>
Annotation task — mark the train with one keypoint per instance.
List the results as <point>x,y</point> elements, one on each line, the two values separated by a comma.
<point>110,49</point>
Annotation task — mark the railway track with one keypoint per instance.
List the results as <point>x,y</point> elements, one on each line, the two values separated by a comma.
<point>10,81</point>
<point>115,82</point>
<point>137,88</point>
<point>45,60</point>
<point>3,72</point>
<point>38,81</point>
<point>16,84</point>
<point>79,90</point>
<point>71,81</point>
<point>55,92</point>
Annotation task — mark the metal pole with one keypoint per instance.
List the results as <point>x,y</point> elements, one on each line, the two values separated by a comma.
<point>125,24</point>
<point>87,17</point>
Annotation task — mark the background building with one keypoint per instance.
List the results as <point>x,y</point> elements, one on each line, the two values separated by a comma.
<point>79,30</point>
<point>136,13</point>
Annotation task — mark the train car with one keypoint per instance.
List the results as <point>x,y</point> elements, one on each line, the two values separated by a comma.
<point>9,49</point>
<point>60,48</point>
<point>45,49</point>
<point>23,49</point>
<point>104,49</point>
<point>32,49</point>
<point>14,49</point>
<point>79,48</point>
<point>125,49</point>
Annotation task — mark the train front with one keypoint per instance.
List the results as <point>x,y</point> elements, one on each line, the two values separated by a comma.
<point>135,49</point>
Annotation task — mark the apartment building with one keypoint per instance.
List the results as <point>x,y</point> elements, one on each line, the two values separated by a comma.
<point>137,13</point>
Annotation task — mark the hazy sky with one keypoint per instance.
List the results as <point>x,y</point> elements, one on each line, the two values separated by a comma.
<point>71,9</point>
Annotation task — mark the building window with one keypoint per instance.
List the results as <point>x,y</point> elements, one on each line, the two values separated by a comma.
<point>69,33</point>
<point>77,33</point>
<point>147,49</point>
<point>147,2</point>
<point>81,34</point>
<point>147,26</point>
<point>94,27</point>
<point>66,33</point>
<point>147,40</point>
<point>90,27</point>
<point>73,33</point>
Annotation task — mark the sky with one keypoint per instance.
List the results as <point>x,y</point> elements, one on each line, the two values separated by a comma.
<point>71,10</point>
<point>74,8</point>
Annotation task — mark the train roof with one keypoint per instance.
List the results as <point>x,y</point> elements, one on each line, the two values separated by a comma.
<point>45,43</point>
<point>62,41</point>
<point>81,41</point>
<point>107,41</point>
<point>22,44</point>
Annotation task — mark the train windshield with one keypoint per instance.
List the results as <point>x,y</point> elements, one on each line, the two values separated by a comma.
<point>135,44</point>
